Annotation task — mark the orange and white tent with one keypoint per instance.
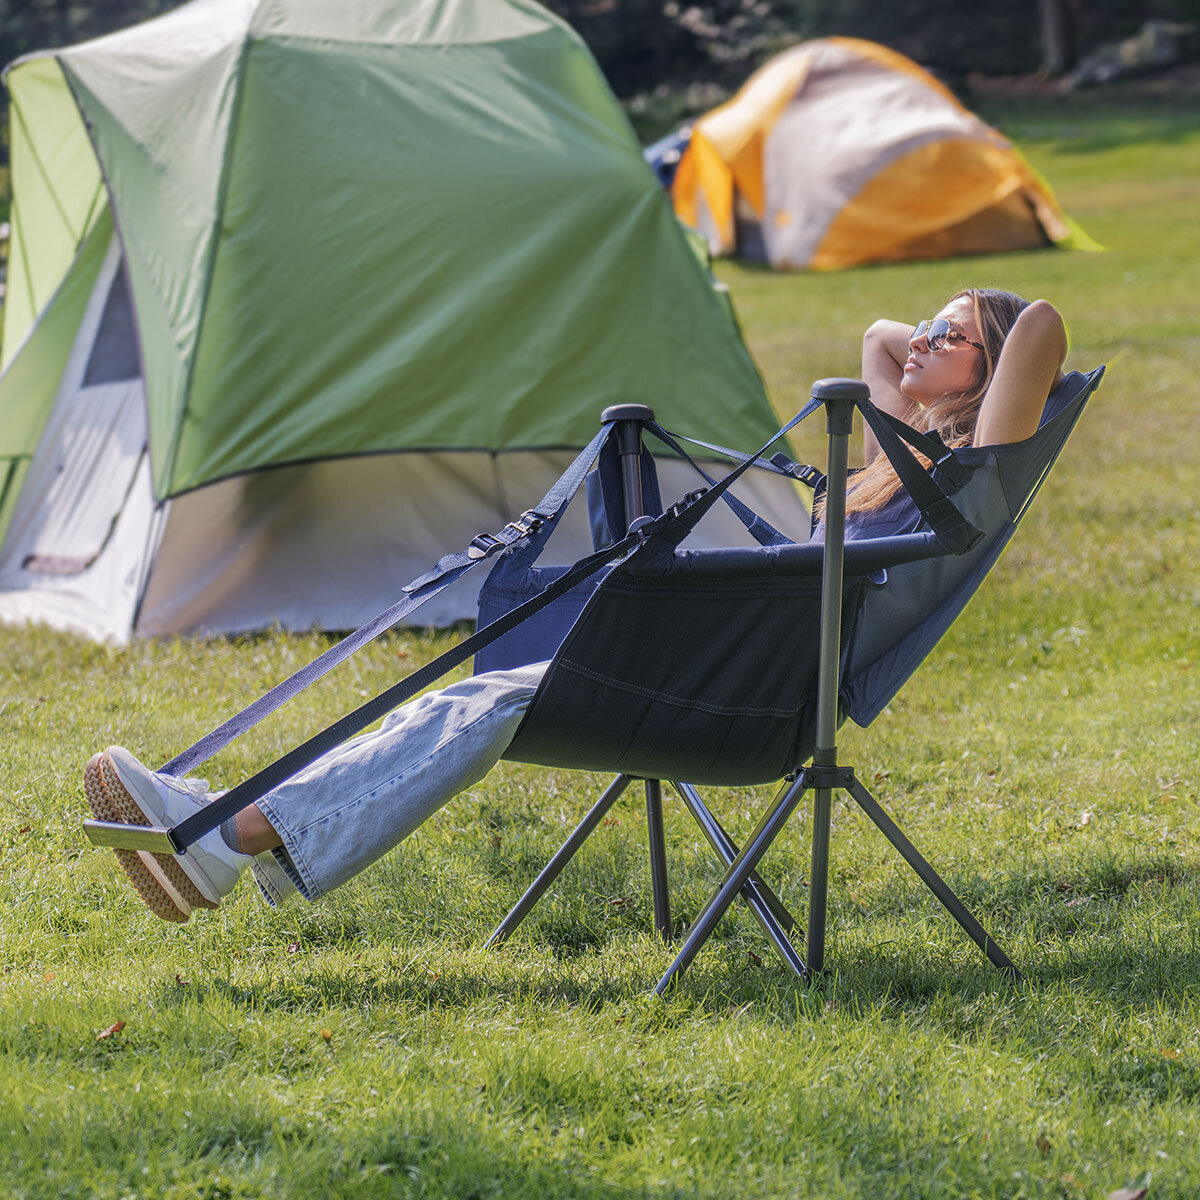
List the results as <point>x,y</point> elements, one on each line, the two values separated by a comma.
<point>840,152</point>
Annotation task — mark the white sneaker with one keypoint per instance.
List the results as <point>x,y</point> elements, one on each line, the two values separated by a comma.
<point>208,869</point>
<point>145,873</point>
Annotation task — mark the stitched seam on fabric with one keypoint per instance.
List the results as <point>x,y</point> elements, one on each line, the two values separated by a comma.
<point>721,710</point>
<point>279,858</point>
<point>268,884</point>
<point>266,891</point>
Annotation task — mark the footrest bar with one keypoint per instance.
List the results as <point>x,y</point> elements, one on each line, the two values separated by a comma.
<point>130,837</point>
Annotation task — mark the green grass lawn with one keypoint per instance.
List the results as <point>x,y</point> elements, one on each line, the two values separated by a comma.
<point>1045,759</point>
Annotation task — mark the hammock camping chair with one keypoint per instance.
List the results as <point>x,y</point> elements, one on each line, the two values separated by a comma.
<point>703,667</point>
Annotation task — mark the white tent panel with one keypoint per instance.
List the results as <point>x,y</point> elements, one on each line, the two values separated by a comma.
<point>330,544</point>
<point>77,547</point>
<point>853,116</point>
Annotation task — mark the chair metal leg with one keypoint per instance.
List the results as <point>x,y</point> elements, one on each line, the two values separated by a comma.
<point>818,884</point>
<point>777,923</point>
<point>735,879</point>
<point>658,859</point>
<point>727,850</point>
<point>932,879</point>
<point>551,871</point>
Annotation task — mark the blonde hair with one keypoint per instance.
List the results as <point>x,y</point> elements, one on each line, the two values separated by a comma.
<point>952,416</point>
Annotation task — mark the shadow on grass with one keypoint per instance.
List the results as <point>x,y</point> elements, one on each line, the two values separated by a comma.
<point>899,953</point>
<point>1069,884</point>
<point>413,989</point>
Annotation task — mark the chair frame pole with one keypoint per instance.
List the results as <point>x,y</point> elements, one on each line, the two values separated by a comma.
<point>657,842</point>
<point>839,414</point>
<point>777,923</point>
<point>628,420</point>
<point>825,775</point>
<point>551,871</point>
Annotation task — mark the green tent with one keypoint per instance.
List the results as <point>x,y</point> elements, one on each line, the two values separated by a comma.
<point>294,232</point>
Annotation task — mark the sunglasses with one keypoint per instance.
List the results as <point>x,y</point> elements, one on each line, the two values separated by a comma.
<point>937,333</point>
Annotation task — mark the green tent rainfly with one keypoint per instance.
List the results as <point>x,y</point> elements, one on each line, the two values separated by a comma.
<point>336,230</point>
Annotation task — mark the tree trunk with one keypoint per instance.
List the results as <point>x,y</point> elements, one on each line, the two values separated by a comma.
<point>1054,37</point>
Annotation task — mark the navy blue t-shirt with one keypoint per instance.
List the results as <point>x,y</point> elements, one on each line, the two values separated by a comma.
<point>899,515</point>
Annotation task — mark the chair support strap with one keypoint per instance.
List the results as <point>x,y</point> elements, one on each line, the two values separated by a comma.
<point>245,794</point>
<point>448,569</point>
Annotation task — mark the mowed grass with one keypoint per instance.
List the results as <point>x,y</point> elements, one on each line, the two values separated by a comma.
<point>1045,759</point>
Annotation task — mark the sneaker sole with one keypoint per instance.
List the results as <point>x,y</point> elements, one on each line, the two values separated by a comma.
<point>171,885</point>
<point>176,877</point>
<point>157,899</point>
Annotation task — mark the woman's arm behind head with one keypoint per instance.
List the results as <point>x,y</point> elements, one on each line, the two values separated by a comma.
<point>1029,367</point>
<point>885,347</point>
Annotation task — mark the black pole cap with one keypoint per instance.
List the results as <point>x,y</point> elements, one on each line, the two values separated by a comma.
<point>627,412</point>
<point>840,389</point>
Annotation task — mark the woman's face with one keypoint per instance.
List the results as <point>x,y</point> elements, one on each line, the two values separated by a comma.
<point>929,375</point>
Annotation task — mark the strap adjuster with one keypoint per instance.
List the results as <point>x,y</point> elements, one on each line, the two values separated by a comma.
<point>484,545</point>
<point>807,475</point>
<point>686,501</point>
<point>528,522</point>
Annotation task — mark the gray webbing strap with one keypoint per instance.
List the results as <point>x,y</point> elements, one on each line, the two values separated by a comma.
<point>245,793</point>
<point>424,588</point>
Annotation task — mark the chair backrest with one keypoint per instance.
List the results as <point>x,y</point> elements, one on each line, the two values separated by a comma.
<point>899,624</point>
<point>703,665</point>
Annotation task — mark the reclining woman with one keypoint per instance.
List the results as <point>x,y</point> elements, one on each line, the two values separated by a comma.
<point>978,374</point>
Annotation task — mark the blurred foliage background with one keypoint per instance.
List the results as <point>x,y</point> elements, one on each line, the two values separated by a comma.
<point>671,60</point>
<point>650,45</point>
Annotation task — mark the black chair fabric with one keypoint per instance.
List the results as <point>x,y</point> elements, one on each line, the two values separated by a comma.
<point>686,666</point>
<point>698,675</point>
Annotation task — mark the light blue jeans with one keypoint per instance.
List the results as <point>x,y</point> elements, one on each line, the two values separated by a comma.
<point>356,802</point>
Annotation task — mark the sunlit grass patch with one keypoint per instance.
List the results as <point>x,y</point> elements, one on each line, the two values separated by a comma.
<point>1045,759</point>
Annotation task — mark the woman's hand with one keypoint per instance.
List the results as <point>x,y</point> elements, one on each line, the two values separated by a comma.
<point>1030,366</point>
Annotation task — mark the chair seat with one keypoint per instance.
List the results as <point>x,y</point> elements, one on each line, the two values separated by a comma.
<point>689,676</point>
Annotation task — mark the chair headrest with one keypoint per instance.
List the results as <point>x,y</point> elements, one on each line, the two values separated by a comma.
<point>1071,384</point>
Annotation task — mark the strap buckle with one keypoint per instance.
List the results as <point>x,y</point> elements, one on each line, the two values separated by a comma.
<point>807,475</point>
<point>687,501</point>
<point>484,545</point>
<point>528,522</point>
